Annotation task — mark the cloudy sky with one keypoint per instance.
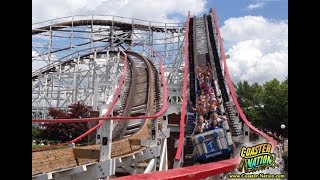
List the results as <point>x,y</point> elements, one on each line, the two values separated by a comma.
<point>255,32</point>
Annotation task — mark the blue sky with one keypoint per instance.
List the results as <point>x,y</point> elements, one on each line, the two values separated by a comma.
<point>255,32</point>
<point>273,9</point>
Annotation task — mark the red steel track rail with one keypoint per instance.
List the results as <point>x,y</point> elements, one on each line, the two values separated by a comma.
<point>190,172</point>
<point>115,99</point>
<point>106,115</point>
<point>209,169</point>
<point>233,94</point>
<point>184,92</point>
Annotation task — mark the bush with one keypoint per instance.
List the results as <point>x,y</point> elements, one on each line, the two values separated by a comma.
<point>64,132</point>
<point>35,133</point>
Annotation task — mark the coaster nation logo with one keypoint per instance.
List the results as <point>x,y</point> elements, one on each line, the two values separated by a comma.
<point>256,158</point>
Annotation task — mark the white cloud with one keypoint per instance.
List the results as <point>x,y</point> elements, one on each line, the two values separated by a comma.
<point>255,5</point>
<point>154,10</point>
<point>35,63</point>
<point>259,49</point>
<point>39,61</point>
<point>258,4</point>
<point>143,9</point>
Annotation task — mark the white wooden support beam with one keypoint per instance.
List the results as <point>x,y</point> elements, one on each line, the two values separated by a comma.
<point>155,165</point>
<point>64,173</point>
<point>164,124</point>
<point>147,154</point>
<point>176,143</point>
<point>103,110</point>
<point>166,159</point>
<point>128,169</point>
<point>91,173</point>
<point>246,134</point>
<point>68,174</point>
<point>174,127</point>
<point>148,142</point>
<point>140,164</point>
<point>45,176</point>
<point>105,166</point>
<point>150,166</point>
<point>154,132</point>
<point>78,169</point>
<point>165,133</point>
<point>163,159</point>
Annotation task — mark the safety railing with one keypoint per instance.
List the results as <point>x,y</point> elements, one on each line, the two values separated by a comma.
<point>106,115</point>
<point>115,99</point>
<point>184,92</point>
<point>233,95</point>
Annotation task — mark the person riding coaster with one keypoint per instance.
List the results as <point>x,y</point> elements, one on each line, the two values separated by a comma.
<point>210,141</point>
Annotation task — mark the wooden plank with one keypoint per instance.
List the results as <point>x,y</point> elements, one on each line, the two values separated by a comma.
<point>52,167</point>
<point>49,153</point>
<point>132,152</point>
<point>143,133</point>
<point>142,79</point>
<point>120,147</point>
<point>86,153</point>
<point>46,161</point>
<point>96,146</point>
<point>86,161</point>
<point>134,141</point>
<point>53,158</point>
<point>56,161</point>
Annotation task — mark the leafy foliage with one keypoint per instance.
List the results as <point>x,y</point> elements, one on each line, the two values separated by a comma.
<point>35,133</point>
<point>265,105</point>
<point>64,132</point>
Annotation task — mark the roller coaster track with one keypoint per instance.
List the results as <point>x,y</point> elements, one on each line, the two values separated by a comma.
<point>143,103</point>
<point>143,90</point>
<point>47,28</point>
<point>202,53</point>
<point>79,37</point>
<point>214,168</point>
<point>85,22</point>
<point>141,85</point>
<point>67,61</point>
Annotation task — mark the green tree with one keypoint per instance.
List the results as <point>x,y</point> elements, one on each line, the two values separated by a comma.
<point>248,97</point>
<point>266,106</point>
<point>64,132</point>
<point>35,133</point>
<point>275,105</point>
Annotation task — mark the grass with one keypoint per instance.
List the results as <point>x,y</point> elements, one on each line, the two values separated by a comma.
<point>58,147</point>
<point>36,146</point>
